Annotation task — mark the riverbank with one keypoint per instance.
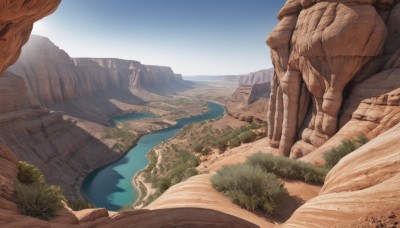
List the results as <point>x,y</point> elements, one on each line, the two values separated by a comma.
<point>118,186</point>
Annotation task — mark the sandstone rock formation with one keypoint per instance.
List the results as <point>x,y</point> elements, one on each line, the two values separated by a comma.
<point>363,182</point>
<point>372,105</point>
<point>53,76</point>
<point>249,102</point>
<point>63,151</point>
<point>258,77</point>
<point>16,20</point>
<point>319,51</point>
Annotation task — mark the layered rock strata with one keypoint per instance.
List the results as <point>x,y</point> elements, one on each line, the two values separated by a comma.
<point>249,102</point>
<point>319,49</point>
<point>53,76</point>
<point>16,23</point>
<point>258,77</point>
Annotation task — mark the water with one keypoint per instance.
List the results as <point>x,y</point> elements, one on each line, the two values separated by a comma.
<point>111,186</point>
<point>130,116</point>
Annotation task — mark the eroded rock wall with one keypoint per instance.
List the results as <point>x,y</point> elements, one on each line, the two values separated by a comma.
<point>366,181</point>
<point>319,49</point>
<point>258,77</point>
<point>53,76</point>
<point>16,22</point>
<point>64,152</point>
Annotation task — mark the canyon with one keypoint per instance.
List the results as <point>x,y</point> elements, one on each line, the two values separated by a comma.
<point>54,104</point>
<point>334,79</point>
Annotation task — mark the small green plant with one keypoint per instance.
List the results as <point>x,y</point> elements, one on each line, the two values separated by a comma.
<point>333,156</point>
<point>250,187</point>
<point>206,151</point>
<point>247,136</point>
<point>235,142</point>
<point>33,196</point>
<point>198,148</point>
<point>288,168</point>
<point>29,174</point>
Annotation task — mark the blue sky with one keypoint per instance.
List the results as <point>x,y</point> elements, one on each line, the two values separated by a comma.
<point>194,37</point>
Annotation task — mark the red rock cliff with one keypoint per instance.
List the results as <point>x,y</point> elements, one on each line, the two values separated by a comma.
<point>16,22</point>
<point>53,76</point>
<point>326,54</point>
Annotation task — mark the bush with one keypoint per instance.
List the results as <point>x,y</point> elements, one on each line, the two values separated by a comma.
<point>288,168</point>
<point>163,184</point>
<point>250,187</point>
<point>235,142</point>
<point>29,174</point>
<point>346,147</point>
<point>206,151</point>
<point>33,196</point>
<point>247,136</point>
<point>198,148</point>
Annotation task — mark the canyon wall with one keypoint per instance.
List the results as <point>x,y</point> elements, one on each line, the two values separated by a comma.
<point>60,149</point>
<point>84,88</point>
<point>249,102</point>
<point>258,77</point>
<point>325,66</point>
<point>54,77</point>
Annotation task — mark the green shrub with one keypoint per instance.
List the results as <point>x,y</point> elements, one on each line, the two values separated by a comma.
<point>333,156</point>
<point>33,196</point>
<point>235,142</point>
<point>221,144</point>
<point>206,151</point>
<point>198,148</point>
<point>163,184</point>
<point>288,168</point>
<point>78,205</point>
<point>29,174</point>
<point>250,187</point>
<point>247,136</point>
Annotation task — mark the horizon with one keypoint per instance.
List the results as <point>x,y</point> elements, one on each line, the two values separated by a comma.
<point>229,35</point>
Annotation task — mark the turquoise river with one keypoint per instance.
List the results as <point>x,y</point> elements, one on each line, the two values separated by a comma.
<point>111,186</point>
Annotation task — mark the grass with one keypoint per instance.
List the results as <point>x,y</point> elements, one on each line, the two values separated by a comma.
<point>250,187</point>
<point>333,156</point>
<point>288,168</point>
<point>33,196</point>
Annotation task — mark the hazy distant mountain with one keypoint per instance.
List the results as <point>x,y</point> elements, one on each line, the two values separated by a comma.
<point>257,77</point>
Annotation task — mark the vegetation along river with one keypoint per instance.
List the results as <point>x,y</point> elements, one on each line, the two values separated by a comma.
<point>111,186</point>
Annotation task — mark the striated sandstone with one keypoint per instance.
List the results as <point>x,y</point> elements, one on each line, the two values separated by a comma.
<point>52,76</point>
<point>366,181</point>
<point>258,77</point>
<point>16,21</point>
<point>319,54</point>
<point>373,103</point>
<point>64,152</point>
<point>249,102</point>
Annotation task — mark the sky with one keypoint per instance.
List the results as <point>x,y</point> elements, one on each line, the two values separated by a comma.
<point>194,37</point>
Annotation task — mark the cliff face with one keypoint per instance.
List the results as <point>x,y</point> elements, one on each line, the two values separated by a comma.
<point>63,151</point>
<point>323,59</point>
<point>258,77</point>
<point>249,102</point>
<point>53,76</point>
